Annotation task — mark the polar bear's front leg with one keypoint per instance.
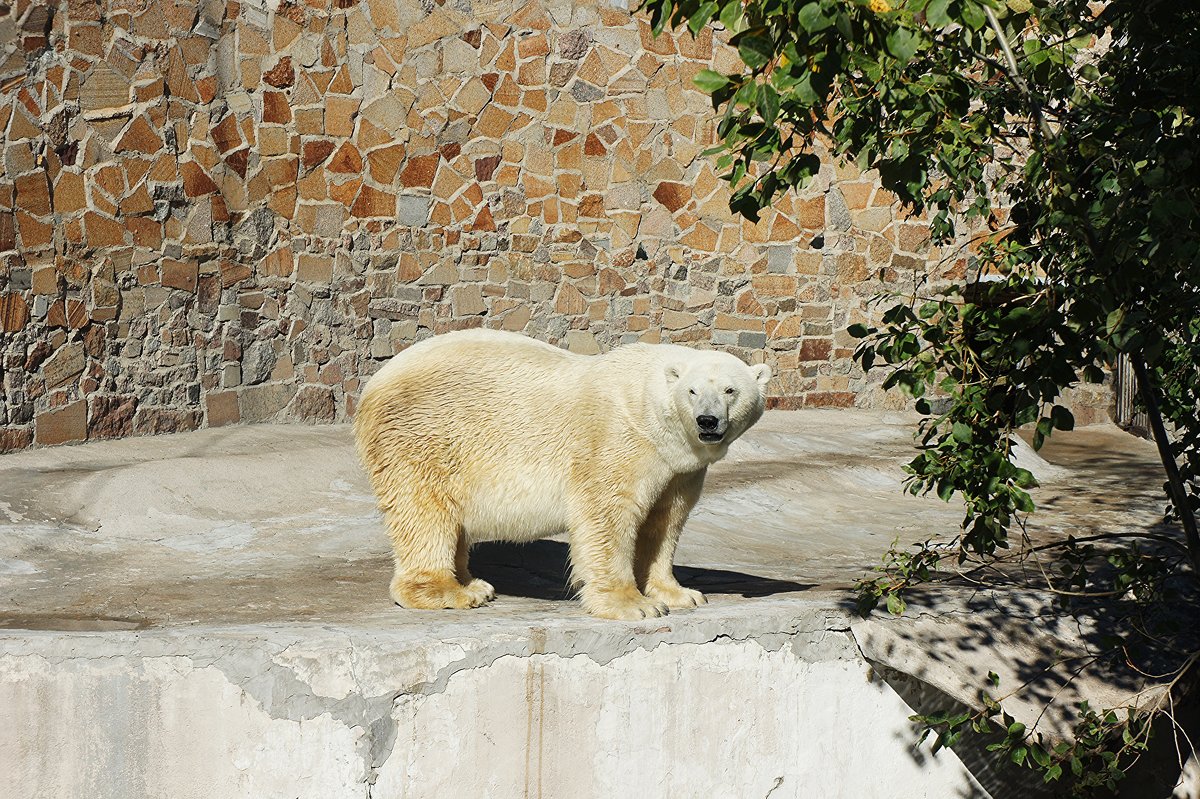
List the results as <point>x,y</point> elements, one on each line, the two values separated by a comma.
<point>658,537</point>
<point>602,547</point>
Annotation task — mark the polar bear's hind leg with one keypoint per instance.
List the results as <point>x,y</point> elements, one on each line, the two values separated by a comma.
<point>426,539</point>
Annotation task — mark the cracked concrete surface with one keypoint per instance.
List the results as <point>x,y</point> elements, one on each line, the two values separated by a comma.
<point>206,614</point>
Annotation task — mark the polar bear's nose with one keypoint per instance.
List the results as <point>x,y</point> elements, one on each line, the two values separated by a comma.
<point>707,422</point>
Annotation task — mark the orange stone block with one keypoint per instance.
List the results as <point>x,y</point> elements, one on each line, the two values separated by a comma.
<point>857,195</point>
<point>592,205</point>
<point>373,202</point>
<point>313,186</point>
<point>672,195</point>
<point>238,161</point>
<point>14,312</point>
<point>535,45</point>
<point>341,83</point>
<point>484,220</point>
<point>138,202</point>
<point>33,194</point>
<point>345,193</point>
<point>494,122</point>
<point>181,275</point>
<point>196,182</point>
<point>33,233</point>
<point>145,232</point>
<point>225,134</point>
<point>281,171</point>
<point>346,160</point>
<point>281,75</point>
<point>283,202</point>
<point>278,263</point>
<point>384,163</point>
<point>810,214</point>
<point>314,152</point>
<point>276,109</point>
<point>206,86</point>
<point>340,113</point>
<point>102,232</point>
<point>140,137</point>
<point>420,171</point>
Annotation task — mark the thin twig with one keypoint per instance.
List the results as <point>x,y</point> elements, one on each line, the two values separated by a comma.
<point>1015,73</point>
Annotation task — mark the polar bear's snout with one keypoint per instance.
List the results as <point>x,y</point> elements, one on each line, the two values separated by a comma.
<point>711,428</point>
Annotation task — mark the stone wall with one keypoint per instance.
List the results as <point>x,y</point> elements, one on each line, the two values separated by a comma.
<point>215,211</point>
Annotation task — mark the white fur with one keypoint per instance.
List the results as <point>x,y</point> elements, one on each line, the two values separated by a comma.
<point>496,436</point>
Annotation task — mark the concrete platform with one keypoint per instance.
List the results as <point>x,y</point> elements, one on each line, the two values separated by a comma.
<point>206,614</point>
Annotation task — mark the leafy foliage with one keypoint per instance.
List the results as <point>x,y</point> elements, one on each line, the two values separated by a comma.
<point>1060,139</point>
<point>1097,755</point>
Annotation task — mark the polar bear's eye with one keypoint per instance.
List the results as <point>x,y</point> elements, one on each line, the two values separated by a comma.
<point>729,391</point>
<point>692,391</point>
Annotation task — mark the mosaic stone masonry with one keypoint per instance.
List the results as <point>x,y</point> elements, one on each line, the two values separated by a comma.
<point>222,211</point>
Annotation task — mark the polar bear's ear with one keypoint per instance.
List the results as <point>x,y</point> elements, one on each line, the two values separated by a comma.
<point>762,373</point>
<point>672,373</point>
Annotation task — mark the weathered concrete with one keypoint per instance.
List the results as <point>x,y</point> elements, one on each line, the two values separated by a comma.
<point>206,614</point>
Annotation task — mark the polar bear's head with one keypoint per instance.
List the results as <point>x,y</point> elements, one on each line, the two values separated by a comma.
<point>716,397</point>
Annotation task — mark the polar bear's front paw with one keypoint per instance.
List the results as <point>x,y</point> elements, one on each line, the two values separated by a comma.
<point>436,593</point>
<point>481,590</point>
<point>675,596</point>
<point>626,605</point>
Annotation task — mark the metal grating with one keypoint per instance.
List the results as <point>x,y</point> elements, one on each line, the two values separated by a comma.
<point>1130,414</point>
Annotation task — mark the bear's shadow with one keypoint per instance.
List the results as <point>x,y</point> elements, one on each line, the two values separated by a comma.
<point>540,570</point>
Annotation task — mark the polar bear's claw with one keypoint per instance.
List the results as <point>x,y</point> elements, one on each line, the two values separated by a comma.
<point>625,606</point>
<point>439,594</point>
<point>481,590</point>
<point>676,597</point>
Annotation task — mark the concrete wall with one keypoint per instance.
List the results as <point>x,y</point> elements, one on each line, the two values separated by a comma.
<point>287,714</point>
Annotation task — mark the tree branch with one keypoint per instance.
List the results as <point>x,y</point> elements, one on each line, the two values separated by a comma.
<point>1174,481</point>
<point>1015,73</point>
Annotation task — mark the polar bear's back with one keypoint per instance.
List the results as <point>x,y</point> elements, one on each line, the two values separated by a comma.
<point>445,383</point>
<point>485,415</point>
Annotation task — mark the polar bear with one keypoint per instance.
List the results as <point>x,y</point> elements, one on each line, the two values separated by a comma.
<point>482,435</point>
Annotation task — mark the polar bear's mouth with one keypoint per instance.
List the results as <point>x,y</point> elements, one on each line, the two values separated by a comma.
<point>711,437</point>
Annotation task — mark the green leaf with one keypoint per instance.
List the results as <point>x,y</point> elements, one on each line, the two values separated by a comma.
<point>701,17</point>
<point>1025,479</point>
<point>858,330</point>
<point>1018,755</point>
<point>1053,773</point>
<point>895,605</point>
<point>768,104</point>
<point>1114,320</point>
<point>756,50</point>
<point>935,13</point>
<point>903,44</point>
<point>731,15</point>
<point>973,15</point>
<point>812,19</point>
<point>1039,755</point>
<point>963,433</point>
<point>709,81</point>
